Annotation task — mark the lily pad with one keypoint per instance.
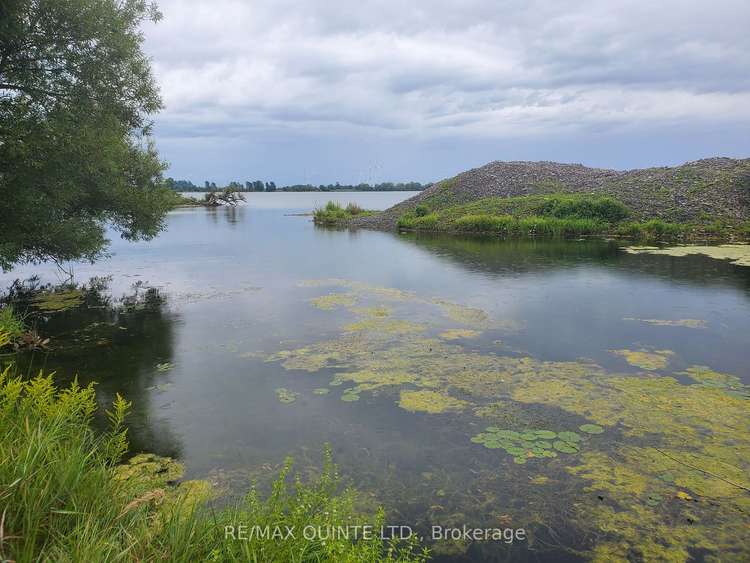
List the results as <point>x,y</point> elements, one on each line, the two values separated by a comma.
<point>568,436</point>
<point>591,428</point>
<point>565,447</point>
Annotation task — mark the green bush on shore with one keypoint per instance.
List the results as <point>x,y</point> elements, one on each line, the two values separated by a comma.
<point>62,497</point>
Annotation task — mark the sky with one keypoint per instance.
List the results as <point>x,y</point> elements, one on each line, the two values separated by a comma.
<point>395,90</point>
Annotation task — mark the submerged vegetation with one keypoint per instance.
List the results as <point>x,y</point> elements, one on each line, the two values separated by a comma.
<point>66,497</point>
<point>334,214</point>
<point>657,458</point>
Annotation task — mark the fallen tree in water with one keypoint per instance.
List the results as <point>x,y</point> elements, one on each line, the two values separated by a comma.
<point>228,196</point>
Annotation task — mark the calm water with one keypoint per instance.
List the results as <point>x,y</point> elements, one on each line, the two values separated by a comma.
<point>233,289</point>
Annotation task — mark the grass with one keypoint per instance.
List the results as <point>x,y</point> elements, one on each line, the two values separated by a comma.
<point>61,497</point>
<point>11,325</point>
<point>333,214</point>
<point>553,215</point>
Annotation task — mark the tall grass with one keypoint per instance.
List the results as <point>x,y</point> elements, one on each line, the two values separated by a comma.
<point>654,229</point>
<point>61,500</point>
<point>11,325</point>
<point>333,213</point>
<point>506,225</point>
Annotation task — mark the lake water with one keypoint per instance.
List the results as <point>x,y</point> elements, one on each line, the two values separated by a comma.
<point>401,350</point>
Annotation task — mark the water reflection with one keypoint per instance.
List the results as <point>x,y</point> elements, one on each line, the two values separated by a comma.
<point>231,214</point>
<point>116,343</point>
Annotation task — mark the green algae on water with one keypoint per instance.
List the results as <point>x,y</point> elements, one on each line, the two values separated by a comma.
<point>350,395</point>
<point>737,254</point>
<point>685,323</point>
<point>333,300</point>
<point>646,359</point>
<point>429,401</point>
<point>56,301</point>
<point>459,333</point>
<point>284,395</point>
<point>670,436</point>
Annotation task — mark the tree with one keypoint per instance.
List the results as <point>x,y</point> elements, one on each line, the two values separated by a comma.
<point>76,96</point>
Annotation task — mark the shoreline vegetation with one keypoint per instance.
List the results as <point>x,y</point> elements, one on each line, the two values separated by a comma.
<point>560,215</point>
<point>67,495</point>
<point>334,214</point>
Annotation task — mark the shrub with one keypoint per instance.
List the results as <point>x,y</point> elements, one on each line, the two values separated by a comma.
<point>421,210</point>
<point>603,208</point>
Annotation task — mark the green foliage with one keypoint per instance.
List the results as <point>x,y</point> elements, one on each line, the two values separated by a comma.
<point>11,325</point>
<point>76,95</point>
<point>591,428</point>
<point>506,225</point>
<point>64,498</point>
<point>530,444</point>
<point>555,215</point>
<point>334,214</point>
<point>602,208</point>
<point>421,210</point>
<point>652,230</point>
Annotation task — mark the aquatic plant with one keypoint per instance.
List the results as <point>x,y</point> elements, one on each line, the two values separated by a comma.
<point>384,325</point>
<point>284,395</point>
<point>686,323</point>
<point>731,384</point>
<point>350,395</point>
<point>429,401</point>
<point>646,359</point>
<point>537,443</point>
<point>56,301</point>
<point>333,300</point>
<point>591,428</point>
<point>459,333</point>
<point>321,391</point>
<point>737,254</point>
<point>164,367</point>
<point>695,434</point>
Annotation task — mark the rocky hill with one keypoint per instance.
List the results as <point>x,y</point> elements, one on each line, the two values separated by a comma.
<point>696,192</point>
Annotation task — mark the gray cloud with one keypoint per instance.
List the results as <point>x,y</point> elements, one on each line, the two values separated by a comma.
<point>412,74</point>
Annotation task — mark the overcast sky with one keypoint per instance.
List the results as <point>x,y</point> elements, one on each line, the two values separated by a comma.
<point>331,90</point>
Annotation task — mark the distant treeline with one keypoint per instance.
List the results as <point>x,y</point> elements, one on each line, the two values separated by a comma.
<point>260,186</point>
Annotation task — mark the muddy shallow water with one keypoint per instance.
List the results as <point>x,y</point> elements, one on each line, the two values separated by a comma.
<point>594,397</point>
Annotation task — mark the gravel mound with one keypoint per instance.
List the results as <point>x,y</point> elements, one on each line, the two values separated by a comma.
<point>701,191</point>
